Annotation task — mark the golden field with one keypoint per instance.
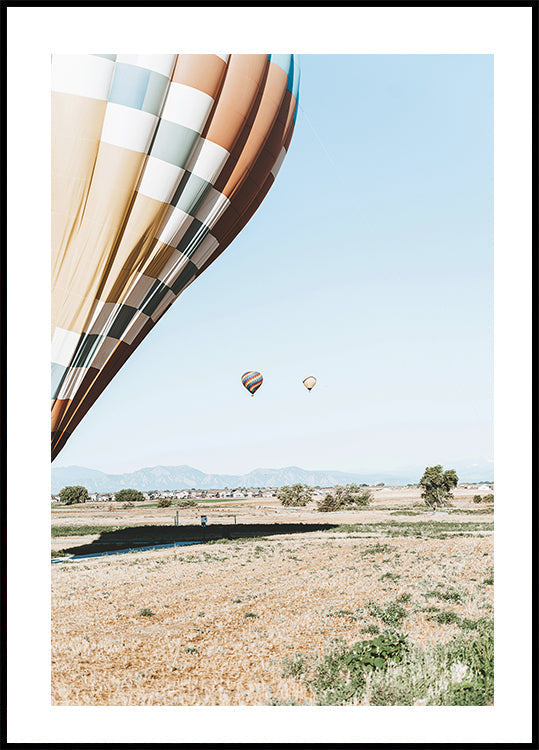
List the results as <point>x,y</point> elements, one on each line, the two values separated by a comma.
<point>218,622</point>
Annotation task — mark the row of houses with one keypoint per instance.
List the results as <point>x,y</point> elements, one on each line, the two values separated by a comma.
<point>237,493</point>
<point>476,486</point>
<point>193,494</point>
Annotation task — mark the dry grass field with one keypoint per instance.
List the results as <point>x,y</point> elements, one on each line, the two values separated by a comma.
<point>262,619</point>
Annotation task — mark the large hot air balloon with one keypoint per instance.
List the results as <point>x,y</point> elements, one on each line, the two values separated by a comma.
<point>158,161</point>
<point>309,382</point>
<point>252,380</point>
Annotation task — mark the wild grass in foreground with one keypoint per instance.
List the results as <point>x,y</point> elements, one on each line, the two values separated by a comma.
<point>422,529</point>
<point>388,671</point>
<point>67,531</point>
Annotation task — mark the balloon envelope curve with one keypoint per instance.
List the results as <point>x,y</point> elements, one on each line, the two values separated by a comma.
<point>252,380</point>
<point>309,382</point>
<point>158,161</point>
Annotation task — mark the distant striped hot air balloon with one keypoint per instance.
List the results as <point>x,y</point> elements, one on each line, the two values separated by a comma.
<point>309,382</point>
<point>252,380</point>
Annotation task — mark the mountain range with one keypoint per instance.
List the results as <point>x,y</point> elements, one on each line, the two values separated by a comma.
<point>185,477</point>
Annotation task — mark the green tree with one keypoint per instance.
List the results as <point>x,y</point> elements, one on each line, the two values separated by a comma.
<point>354,494</point>
<point>75,494</point>
<point>295,494</point>
<point>349,496</point>
<point>328,503</point>
<point>437,485</point>
<point>164,502</point>
<point>128,496</point>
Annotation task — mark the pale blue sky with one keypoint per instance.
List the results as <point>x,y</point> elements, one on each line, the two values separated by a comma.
<point>369,265</point>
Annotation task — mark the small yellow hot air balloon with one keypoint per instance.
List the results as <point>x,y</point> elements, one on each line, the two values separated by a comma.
<point>309,382</point>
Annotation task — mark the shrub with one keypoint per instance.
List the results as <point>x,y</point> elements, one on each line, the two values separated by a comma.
<point>354,495</point>
<point>295,495</point>
<point>328,504</point>
<point>477,653</point>
<point>489,498</point>
<point>74,494</point>
<point>349,496</point>
<point>187,503</point>
<point>145,612</point>
<point>164,502</point>
<point>458,673</point>
<point>128,496</point>
<point>340,677</point>
<point>477,499</point>
<point>389,671</point>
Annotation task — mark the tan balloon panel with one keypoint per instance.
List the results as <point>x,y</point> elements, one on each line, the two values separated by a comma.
<point>309,382</point>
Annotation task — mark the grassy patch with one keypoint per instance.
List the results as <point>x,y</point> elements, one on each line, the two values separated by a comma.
<point>295,666</point>
<point>445,594</point>
<point>57,531</point>
<point>343,613</point>
<point>371,629</point>
<point>392,614</point>
<point>458,673</point>
<point>390,577</point>
<point>340,677</point>
<point>419,529</point>
<point>375,549</point>
<point>446,617</point>
<point>404,597</point>
<point>388,671</point>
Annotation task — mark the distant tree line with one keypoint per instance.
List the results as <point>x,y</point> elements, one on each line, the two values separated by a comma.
<point>436,490</point>
<point>78,494</point>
